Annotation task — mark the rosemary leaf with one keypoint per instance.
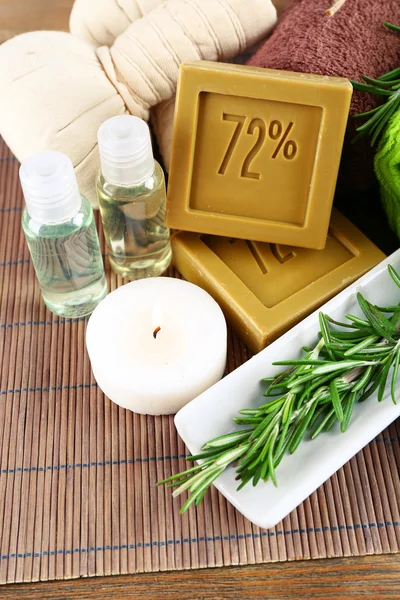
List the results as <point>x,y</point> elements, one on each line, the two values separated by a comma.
<point>392,27</point>
<point>384,376</point>
<point>336,401</point>
<point>394,375</point>
<point>364,380</point>
<point>390,75</point>
<point>394,275</point>
<point>298,436</point>
<point>378,321</point>
<point>392,106</point>
<point>362,87</point>
<point>226,440</point>
<point>364,344</point>
<point>322,424</point>
<point>386,85</point>
<point>270,463</point>
<point>349,405</point>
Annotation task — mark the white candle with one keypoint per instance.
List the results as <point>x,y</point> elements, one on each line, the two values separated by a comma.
<point>157,343</point>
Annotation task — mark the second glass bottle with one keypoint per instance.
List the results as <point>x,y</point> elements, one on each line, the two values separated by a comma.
<point>132,199</point>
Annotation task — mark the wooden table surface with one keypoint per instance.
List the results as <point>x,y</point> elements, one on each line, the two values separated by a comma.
<point>375,577</point>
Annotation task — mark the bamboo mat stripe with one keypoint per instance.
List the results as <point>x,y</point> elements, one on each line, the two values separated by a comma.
<point>131,462</point>
<point>227,538</point>
<point>78,474</point>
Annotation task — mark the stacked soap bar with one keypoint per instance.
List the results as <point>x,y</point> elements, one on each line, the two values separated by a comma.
<point>256,152</point>
<point>264,289</point>
<point>255,156</point>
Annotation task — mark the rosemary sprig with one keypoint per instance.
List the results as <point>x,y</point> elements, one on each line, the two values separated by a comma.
<point>388,85</point>
<point>349,363</point>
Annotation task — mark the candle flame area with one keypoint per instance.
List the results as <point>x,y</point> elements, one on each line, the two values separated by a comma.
<point>157,315</point>
<point>157,329</point>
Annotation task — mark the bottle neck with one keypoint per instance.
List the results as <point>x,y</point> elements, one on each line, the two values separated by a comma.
<point>49,214</point>
<point>126,153</point>
<point>50,187</point>
<point>127,177</point>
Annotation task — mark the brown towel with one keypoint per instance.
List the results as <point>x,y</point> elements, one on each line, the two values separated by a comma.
<point>351,43</point>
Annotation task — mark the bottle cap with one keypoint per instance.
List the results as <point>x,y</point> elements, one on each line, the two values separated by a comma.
<point>50,189</point>
<point>126,154</point>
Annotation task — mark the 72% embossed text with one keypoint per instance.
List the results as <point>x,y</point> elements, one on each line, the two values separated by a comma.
<point>257,126</point>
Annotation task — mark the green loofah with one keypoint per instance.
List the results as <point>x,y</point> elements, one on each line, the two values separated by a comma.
<point>387,168</point>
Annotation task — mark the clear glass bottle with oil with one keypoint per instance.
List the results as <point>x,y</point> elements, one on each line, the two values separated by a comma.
<point>132,199</point>
<point>61,233</point>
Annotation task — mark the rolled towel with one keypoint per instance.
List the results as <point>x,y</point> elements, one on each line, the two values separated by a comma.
<point>54,96</point>
<point>100,21</point>
<point>57,90</point>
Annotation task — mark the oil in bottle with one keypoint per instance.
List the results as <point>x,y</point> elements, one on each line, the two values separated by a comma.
<point>132,199</point>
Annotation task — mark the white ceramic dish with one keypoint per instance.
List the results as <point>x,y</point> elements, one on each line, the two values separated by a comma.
<point>210,414</point>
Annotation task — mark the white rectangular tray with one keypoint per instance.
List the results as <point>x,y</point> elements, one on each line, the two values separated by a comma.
<point>210,414</point>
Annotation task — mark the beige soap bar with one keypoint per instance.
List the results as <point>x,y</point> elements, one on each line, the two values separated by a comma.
<point>264,289</point>
<point>256,152</point>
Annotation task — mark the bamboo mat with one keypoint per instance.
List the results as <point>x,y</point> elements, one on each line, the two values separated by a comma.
<point>78,474</point>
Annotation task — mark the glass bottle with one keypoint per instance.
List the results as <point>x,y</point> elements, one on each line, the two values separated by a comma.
<point>60,230</point>
<point>132,199</point>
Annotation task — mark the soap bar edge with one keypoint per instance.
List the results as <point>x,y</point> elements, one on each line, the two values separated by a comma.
<point>269,73</point>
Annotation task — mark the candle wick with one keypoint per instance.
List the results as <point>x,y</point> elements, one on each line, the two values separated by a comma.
<point>157,329</point>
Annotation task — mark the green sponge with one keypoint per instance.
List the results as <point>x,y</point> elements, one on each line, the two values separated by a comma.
<point>387,168</point>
